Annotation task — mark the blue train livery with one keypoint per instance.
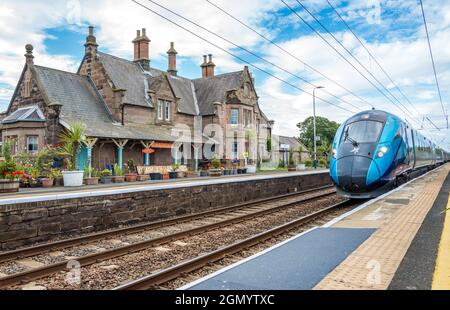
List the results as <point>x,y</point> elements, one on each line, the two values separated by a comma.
<point>375,151</point>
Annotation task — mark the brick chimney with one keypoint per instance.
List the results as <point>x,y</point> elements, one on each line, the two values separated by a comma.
<point>204,66</point>
<point>29,55</point>
<point>90,49</point>
<point>172,60</point>
<point>210,67</point>
<point>207,67</point>
<point>141,49</point>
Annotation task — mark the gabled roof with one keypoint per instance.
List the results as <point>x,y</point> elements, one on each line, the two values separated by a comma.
<point>131,77</point>
<point>214,89</point>
<point>27,114</point>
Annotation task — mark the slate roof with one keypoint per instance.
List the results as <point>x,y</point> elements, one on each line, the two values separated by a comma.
<point>81,102</point>
<point>27,114</point>
<point>214,89</point>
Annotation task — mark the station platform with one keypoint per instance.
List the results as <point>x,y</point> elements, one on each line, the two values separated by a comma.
<point>400,240</point>
<point>60,193</point>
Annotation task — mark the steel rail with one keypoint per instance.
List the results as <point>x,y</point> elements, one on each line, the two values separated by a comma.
<point>169,274</point>
<point>43,248</point>
<point>40,272</point>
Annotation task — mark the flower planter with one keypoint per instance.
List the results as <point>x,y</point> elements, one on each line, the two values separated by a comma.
<point>301,167</point>
<point>59,181</point>
<point>165,176</point>
<point>8,186</point>
<point>292,168</point>
<point>118,179</point>
<point>173,175</point>
<point>35,184</point>
<point>73,178</point>
<point>91,181</point>
<point>156,176</point>
<point>142,178</point>
<point>131,177</point>
<point>215,172</point>
<point>106,180</point>
<point>203,173</point>
<point>47,182</point>
<point>181,174</point>
<point>251,169</point>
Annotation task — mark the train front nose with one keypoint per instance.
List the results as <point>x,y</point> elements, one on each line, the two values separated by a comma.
<point>354,172</point>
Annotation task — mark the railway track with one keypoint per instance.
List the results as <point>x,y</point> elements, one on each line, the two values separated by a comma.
<point>233,215</point>
<point>185,268</point>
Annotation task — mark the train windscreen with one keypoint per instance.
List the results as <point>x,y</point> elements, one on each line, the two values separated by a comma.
<point>362,132</point>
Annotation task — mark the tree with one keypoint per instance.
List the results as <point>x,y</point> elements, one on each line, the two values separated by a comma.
<point>326,130</point>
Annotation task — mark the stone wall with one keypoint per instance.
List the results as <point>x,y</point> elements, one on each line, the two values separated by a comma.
<point>29,223</point>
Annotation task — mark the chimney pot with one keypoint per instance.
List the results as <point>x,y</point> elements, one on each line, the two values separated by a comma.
<point>144,32</point>
<point>91,30</point>
<point>172,59</point>
<point>138,34</point>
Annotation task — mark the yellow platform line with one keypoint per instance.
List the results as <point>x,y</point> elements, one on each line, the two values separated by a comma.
<point>441,276</point>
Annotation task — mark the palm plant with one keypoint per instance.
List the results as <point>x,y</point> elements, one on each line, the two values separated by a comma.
<point>72,139</point>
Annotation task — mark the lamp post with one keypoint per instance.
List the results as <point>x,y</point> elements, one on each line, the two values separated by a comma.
<point>315,129</point>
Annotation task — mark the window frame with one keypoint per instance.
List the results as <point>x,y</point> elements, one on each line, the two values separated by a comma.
<point>160,108</point>
<point>232,117</point>
<point>167,111</point>
<point>34,151</point>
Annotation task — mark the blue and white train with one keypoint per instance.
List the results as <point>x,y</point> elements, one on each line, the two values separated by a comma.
<point>375,151</point>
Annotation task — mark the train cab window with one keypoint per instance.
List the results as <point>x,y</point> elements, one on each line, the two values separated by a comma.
<point>362,132</point>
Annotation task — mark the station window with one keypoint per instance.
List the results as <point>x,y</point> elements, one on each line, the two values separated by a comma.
<point>160,109</point>
<point>167,111</point>
<point>234,117</point>
<point>32,144</point>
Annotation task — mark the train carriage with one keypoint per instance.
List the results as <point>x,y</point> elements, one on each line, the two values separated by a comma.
<point>374,151</point>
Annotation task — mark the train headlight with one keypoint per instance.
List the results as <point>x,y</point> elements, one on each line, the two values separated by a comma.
<point>382,151</point>
<point>334,153</point>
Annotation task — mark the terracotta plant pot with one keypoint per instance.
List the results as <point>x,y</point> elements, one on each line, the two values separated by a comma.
<point>118,179</point>
<point>47,182</point>
<point>7,186</point>
<point>131,177</point>
<point>292,168</point>
<point>143,178</point>
<point>165,176</point>
<point>91,181</point>
<point>59,181</point>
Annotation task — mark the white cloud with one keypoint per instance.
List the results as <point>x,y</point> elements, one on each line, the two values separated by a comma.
<point>405,57</point>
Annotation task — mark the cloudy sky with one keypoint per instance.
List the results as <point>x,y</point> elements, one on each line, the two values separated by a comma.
<point>392,30</point>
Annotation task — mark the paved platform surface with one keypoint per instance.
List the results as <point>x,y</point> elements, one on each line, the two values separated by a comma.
<point>57,193</point>
<point>296,265</point>
<point>370,247</point>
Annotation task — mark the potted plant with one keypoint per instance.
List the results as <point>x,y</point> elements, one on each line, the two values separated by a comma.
<point>215,170</point>
<point>165,174</point>
<point>57,177</point>
<point>9,179</point>
<point>46,179</point>
<point>118,175</point>
<point>90,176</point>
<point>106,176</point>
<point>156,176</point>
<point>174,173</point>
<point>291,164</point>
<point>131,176</point>
<point>142,177</point>
<point>301,166</point>
<point>71,140</point>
